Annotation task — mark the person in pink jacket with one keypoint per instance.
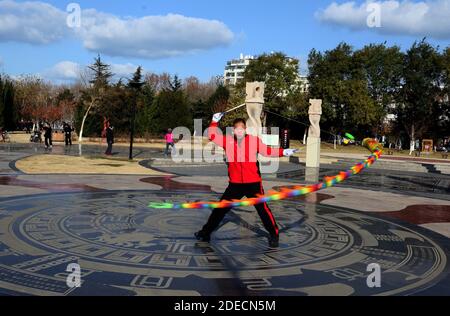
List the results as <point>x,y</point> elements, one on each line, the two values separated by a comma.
<point>170,143</point>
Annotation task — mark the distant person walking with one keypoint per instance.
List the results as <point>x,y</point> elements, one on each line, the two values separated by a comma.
<point>48,131</point>
<point>3,134</point>
<point>170,144</point>
<point>109,139</point>
<point>68,134</point>
<point>105,127</point>
<point>29,126</point>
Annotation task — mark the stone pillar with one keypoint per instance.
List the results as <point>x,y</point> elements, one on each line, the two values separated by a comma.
<point>311,200</point>
<point>255,105</point>
<point>312,175</point>
<point>313,143</point>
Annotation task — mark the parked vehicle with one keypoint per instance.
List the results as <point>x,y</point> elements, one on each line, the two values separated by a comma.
<point>443,148</point>
<point>36,137</point>
<point>5,136</point>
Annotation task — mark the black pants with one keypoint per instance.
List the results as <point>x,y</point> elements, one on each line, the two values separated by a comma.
<point>48,142</point>
<point>109,149</point>
<point>169,148</point>
<point>237,192</point>
<point>68,139</point>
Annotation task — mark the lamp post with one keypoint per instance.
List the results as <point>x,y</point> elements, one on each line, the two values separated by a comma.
<point>133,120</point>
<point>136,85</point>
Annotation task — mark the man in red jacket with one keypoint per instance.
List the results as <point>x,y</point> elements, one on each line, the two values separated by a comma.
<point>244,174</point>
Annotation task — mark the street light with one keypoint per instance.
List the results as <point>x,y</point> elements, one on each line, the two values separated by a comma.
<point>135,86</point>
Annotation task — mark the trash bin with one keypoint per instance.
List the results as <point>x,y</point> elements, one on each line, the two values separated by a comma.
<point>285,139</point>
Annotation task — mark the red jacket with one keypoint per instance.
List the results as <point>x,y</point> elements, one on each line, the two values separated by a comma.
<point>242,156</point>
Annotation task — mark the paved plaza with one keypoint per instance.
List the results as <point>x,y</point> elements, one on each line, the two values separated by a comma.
<point>51,217</point>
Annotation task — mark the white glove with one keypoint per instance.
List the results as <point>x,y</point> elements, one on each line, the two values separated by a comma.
<point>217,117</point>
<point>290,152</point>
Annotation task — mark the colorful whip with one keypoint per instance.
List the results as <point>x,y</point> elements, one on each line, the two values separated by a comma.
<point>285,193</point>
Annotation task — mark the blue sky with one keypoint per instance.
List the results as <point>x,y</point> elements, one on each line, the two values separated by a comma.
<point>249,27</point>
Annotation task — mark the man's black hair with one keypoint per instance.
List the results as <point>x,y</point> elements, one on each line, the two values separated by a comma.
<point>239,120</point>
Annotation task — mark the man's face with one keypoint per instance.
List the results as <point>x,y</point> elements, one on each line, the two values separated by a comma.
<point>239,130</point>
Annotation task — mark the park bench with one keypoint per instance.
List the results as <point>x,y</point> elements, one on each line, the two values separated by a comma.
<point>391,151</point>
<point>58,136</point>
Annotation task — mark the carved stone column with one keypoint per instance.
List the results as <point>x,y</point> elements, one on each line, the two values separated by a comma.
<point>255,105</point>
<point>313,143</point>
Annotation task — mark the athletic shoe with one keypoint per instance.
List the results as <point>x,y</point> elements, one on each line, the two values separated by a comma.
<point>202,236</point>
<point>274,241</point>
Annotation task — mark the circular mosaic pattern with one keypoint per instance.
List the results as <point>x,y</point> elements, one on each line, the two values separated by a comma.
<point>124,248</point>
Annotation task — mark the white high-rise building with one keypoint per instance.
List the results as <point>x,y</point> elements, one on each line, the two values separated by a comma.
<point>303,83</point>
<point>234,70</point>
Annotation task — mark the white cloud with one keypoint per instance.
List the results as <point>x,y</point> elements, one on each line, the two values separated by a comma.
<point>70,71</point>
<point>149,37</point>
<point>123,70</point>
<point>31,22</point>
<point>422,18</point>
<point>64,71</point>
